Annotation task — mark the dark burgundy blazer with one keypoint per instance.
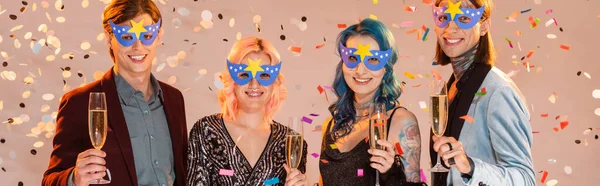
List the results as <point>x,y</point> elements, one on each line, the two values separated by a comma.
<point>72,135</point>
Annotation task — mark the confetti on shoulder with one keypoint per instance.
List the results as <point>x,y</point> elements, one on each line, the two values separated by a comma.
<point>225,172</point>
<point>468,118</point>
<point>272,181</point>
<point>333,146</point>
<point>360,173</point>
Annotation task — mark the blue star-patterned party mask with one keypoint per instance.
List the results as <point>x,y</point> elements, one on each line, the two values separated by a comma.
<point>465,18</point>
<point>374,60</point>
<point>242,74</point>
<point>127,35</point>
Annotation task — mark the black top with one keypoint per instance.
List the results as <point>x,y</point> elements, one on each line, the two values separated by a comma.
<point>210,150</point>
<point>341,168</point>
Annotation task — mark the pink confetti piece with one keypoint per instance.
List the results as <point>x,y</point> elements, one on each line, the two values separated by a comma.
<point>536,132</point>
<point>307,120</point>
<point>423,178</point>
<point>313,114</point>
<point>548,11</point>
<point>328,87</point>
<point>315,155</point>
<point>225,172</point>
<point>360,173</point>
<point>405,24</point>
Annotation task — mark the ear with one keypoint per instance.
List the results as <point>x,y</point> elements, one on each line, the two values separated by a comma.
<point>159,37</point>
<point>107,39</point>
<point>485,27</point>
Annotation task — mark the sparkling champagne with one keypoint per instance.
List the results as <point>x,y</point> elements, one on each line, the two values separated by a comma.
<point>294,145</point>
<point>439,114</point>
<point>97,126</point>
<point>377,131</point>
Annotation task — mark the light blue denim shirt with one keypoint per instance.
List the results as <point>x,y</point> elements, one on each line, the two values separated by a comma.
<point>499,140</point>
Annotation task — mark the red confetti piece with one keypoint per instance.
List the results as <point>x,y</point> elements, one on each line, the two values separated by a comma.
<point>565,47</point>
<point>416,86</point>
<point>436,75</point>
<point>555,129</point>
<point>557,117</point>
<point>324,161</point>
<point>530,53</point>
<point>320,46</point>
<point>544,115</point>
<point>320,89</point>
<point>555,23</point>
<point>467,118</point>
<point>341,25</point>
<point>564,124</point>
<point>429,2</point>
<point>544,176</point>
<point>399,148</point>
<point>424,28</point>
<point>483,90</point>
<point>410,8</point>
<point>536,132</point>
<point>295,49</point>
<point>532,21</point>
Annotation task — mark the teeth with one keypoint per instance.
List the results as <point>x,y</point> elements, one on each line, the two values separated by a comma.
<point>254,94</point>
<point>362,80</point>
<point>453,40</point>
<point>137,57</point>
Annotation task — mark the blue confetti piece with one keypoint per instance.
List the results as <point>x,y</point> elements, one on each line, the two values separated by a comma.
<point>425,35</point>
<point>525,11</point>
<point>272,181</point>
<point>36,48</point>
<point>434,63</point>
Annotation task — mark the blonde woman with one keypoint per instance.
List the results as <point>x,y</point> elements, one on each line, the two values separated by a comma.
<point>243,145</point>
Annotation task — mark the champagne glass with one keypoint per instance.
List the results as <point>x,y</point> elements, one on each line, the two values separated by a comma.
<point>98,125</point>
<point>438,104</point>
<point>377,129</point>
<point>294,143</point>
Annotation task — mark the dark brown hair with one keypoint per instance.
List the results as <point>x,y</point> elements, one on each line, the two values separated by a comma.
<point>485,51</point>
<point>120,11</point>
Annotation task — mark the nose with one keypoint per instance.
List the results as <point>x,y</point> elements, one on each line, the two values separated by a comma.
<point>137,45</point>
<point>452,27</point>
<point>253,84</point>
<point>361,68</point>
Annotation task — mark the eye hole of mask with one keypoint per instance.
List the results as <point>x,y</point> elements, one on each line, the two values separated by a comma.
<point>147,36</point>
<point>126,37</point>
<point>464,19</point>
<point>352,59</point>
<point>442,18</point>
<point>243,75</point>
<point>265,76</point>
<point>373,61</point>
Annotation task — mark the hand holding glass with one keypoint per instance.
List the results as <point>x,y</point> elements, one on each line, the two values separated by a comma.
<point>438,105</point>
<point>97,125</point>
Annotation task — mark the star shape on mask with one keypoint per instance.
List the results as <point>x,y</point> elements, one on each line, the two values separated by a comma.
<point>453,9</point>
<point>137,28</point>
<point>254,66</point>
<point>363,51</point>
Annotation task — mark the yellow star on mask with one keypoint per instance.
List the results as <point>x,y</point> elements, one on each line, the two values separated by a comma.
<point>453,9</point>
<point>137,28</point>
<point>363,51</point>
<point>254,67</point>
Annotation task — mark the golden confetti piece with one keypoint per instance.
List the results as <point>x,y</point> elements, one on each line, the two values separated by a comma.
<point>181,55</point>
<point>172,61</point>
<point>256,19</point>
<point>85,45</point>
<point>15,28</point>
<point>552,98</point>
<point>302,26</point>
<point>17,43</point>
<point>9,75</point>
<point>238,36</point>
<point>85,3</point>
<point>587,75</point>
<point>58,5</point>
<point>45,108</point>
<point>333,146</point>
<point>552,183</point>
<point>596,93</point>
<point>100,36</point>
<point>202,71</point>
<point>409,75</point>
<point>50,58</point>
<point>28,80</point>
<point>518,33</point>
<point>2,105</point>
<point>231,22</point>
<point>26,94</point>
<point>60,19</point>
<point>49,135</point>
<point>597,111</point>
<point>50,127</point>
<point>172,80</point>
<point>206,24</point>
<point>68,56</point>
<point>35,130</point>
<point>372,16</point>
<point>45,4</point>
<point>48,16</point>
<point>34,7</point>
<point>551,36</point>
<point>4,54</point>
<point>27,35</point>
<point>375,2</point>
<point>38,144</point>
<point>422,104</point>
<point>197,28</point>
<point>66,74</point>
<point>1,38</point>
<point>98,75</point>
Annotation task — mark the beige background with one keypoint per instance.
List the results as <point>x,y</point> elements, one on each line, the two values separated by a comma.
<point>555,69</point>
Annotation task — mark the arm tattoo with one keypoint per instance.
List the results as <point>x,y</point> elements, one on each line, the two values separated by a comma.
<point>410,142</point>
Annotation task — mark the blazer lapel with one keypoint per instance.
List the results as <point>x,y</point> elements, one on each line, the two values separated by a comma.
<point>171,109</point>
<point>460,106</point>
<point>116,120</point>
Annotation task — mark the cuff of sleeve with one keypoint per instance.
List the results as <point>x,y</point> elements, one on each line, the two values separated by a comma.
<point>70,181</point>
<point>475,175</point>
<point>468,175</point>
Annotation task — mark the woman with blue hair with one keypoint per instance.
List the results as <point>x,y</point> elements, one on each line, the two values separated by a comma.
<point>365,77</point>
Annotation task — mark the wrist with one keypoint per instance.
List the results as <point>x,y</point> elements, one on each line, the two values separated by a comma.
<point>471,170</point>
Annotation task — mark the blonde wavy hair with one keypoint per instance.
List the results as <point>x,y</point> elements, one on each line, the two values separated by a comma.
<point>228,100</point>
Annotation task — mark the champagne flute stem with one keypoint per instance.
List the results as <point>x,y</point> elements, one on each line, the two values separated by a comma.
<point>376,178</point>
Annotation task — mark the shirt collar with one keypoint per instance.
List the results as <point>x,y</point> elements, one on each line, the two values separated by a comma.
<point>126,91</point>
